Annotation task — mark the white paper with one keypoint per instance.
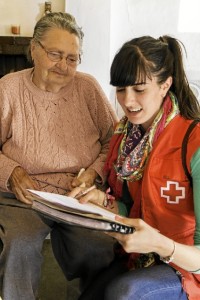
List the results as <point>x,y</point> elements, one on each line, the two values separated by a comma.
<point>74,204</point>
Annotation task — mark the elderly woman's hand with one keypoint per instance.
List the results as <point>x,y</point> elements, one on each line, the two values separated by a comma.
<point>19,182</point>
<point>85,179</point>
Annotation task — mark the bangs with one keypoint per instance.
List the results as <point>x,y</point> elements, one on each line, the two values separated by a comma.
<point>128,68</point>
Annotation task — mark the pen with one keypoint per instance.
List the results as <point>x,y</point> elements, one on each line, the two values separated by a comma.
<point>79,174</point>
<point>82,193</point>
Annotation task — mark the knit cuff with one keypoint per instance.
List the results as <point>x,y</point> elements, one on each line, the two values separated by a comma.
<point>7,166</point>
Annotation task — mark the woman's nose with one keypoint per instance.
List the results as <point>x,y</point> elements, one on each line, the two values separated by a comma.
<point>62,64</point>
<point>129,99</point>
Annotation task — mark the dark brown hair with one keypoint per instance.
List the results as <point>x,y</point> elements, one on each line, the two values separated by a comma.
<point>147,57</point>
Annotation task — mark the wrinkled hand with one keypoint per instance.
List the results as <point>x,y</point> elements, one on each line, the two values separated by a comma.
<point>20,181</point>
<point>143,240</point>
<point>85,179</point>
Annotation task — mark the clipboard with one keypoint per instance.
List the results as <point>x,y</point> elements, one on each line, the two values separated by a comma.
<point>66,209</point>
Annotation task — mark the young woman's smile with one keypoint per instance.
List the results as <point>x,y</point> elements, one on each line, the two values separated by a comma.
<point>141,102</point>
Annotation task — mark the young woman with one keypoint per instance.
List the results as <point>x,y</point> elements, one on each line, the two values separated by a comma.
<point>161,259</point>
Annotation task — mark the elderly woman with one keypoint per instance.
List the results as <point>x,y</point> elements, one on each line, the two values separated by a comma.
<point>54,121</point>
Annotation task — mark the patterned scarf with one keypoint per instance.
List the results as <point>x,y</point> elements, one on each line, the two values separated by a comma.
<point>130,146</point>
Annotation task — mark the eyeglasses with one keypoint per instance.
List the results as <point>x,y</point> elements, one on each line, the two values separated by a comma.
<point>56,57</point>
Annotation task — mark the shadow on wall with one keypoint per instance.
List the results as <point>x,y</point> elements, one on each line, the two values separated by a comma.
<point>195,86</point>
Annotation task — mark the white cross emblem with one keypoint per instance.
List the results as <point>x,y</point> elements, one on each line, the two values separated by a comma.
<point>173,192</point>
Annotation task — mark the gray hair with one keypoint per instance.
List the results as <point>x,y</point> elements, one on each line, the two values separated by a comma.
<point>60,20</point>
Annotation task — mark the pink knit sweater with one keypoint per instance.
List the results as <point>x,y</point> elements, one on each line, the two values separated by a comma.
<point>52,135</point>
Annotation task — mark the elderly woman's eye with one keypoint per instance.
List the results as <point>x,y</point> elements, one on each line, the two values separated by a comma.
<point>72,59</point>
<point>55,55</point>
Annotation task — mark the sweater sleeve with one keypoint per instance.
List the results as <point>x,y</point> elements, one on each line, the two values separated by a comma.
<point>195,172</point>
<point>7,165</point>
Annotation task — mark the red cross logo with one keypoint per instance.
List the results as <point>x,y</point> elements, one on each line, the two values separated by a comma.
<point>173,192</point>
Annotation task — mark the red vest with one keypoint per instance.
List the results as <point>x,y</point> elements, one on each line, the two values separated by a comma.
<point>167,199</point>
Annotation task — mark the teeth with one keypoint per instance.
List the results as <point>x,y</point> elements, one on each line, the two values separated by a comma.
<point>135,110</point>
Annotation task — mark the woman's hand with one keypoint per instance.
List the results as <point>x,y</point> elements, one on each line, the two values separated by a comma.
<point>143,240</point>
<point>146,239</point>
<point>95,196</point>
<point>85,179</point>
<point>19,182</point>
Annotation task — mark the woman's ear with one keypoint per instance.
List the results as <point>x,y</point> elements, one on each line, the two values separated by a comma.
<point>32,48</point>
<point>166,86</point>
